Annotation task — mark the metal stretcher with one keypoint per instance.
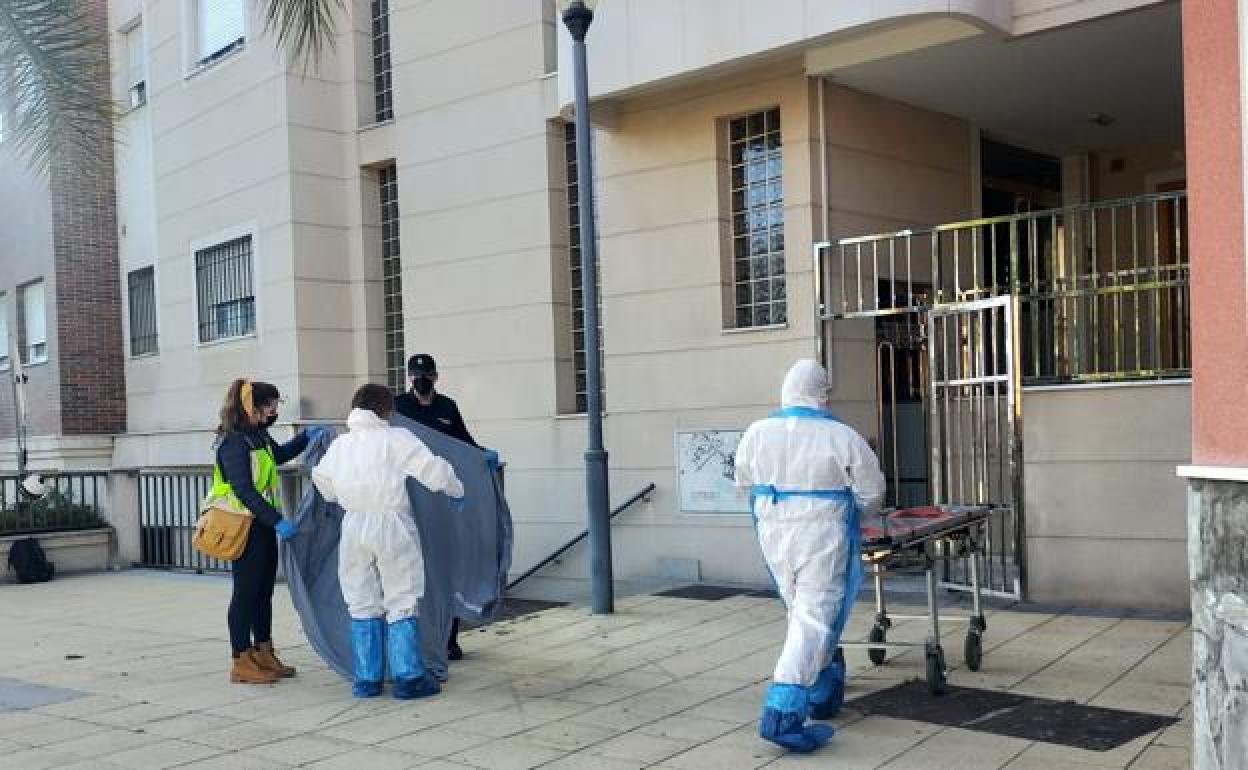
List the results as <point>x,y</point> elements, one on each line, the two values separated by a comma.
<point>894,539</point>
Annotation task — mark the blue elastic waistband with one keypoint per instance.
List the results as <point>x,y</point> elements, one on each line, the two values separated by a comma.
<point>770,492</point>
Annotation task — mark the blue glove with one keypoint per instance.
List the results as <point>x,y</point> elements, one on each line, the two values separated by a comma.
<point>491,459</point>
<point>286,529</point>
<point>456,503</point>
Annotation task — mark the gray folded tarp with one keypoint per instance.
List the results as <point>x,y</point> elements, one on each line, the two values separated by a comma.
<point>467,555</point>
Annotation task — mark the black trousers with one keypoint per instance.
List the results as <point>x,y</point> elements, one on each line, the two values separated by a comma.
<point>251,604</point>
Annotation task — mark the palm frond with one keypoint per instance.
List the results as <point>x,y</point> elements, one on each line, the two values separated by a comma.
<point>305,28</point>
<point>54,83</point>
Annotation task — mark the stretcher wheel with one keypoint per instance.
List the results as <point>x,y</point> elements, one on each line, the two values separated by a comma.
<point>877,654</point>
<point>935,672</point>
<point>974,649</point>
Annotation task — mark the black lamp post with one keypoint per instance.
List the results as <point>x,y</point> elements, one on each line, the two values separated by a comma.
<point>577,16</point>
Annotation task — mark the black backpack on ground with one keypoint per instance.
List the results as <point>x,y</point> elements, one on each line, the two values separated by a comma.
<point>28,560</point>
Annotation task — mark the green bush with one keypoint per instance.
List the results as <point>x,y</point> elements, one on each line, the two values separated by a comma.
<point>52,512</point>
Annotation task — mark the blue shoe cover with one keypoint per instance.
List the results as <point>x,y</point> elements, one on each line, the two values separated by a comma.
<point>828,694</point>
<point>368,656</point>
<point>784,717</point>
<point>406,666</point>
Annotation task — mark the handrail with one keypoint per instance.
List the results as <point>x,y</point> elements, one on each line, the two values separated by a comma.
<point>645,492</point>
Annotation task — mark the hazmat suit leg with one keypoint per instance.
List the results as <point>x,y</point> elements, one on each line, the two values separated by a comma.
<point>807,552</point>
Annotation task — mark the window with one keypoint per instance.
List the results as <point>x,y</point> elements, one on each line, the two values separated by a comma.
<point>392,277</point>
<point>383,89</point>
<point>757,210</point>
<point>142,294</point>
<point>4,331</point>
<point>574,271</point>
<point>32,307</point>
<point>136,71</point>
<point>223,288</point>
<point>219,28</point>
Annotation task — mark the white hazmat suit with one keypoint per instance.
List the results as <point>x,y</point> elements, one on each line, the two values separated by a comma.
<point>802,466</point>
<point>365,471</point>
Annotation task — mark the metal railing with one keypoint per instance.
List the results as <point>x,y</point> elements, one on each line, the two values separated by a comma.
<point>561,550</point>
<point>1103,287</point>
<point>75,500</point>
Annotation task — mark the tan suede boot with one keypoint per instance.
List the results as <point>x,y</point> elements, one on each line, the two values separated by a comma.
<point>248,670</point>
<point>266,656</point>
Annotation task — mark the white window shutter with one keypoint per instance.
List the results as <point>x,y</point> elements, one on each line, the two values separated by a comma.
<point>4,328</point>
<point>220,24</point>
<point>134,57</point>
<point>36,322</point>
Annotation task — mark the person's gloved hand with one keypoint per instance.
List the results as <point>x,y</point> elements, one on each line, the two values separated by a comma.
<point>456,503</point>
<point>286,529</point>
<point>492,459</point>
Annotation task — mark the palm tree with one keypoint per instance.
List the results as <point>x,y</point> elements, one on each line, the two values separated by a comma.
<point>55,100</point>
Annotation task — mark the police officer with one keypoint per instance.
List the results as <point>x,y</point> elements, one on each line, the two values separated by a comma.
<point>432,409</point>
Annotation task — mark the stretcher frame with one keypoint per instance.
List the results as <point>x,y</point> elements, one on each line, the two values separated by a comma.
<point>960,536</point>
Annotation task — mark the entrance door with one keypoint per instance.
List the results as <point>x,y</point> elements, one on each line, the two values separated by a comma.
<point>976,429</point>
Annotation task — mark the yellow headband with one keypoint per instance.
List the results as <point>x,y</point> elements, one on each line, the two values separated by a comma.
<point>245,395</point>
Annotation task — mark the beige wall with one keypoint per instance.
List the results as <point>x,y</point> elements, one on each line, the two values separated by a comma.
<point>26,255</point>
<point>1105,512</point>
<point>890,166</point>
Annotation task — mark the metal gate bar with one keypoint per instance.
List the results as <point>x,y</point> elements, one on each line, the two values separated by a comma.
<point>976,422</point>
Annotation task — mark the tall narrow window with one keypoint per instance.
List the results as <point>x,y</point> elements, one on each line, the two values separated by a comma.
<point>383,89</point>
<point>34,323</point>
<point>4,331</point>
<point>574,272</point>
<point>757,209</point>
<point>141,285</point>
<point>392,277</point>
<point>219,28</point>
<point>223,288</point>
<point>136,70</point>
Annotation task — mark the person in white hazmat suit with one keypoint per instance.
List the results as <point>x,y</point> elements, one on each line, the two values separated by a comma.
<point>809,477</point>
<point>380,567</point>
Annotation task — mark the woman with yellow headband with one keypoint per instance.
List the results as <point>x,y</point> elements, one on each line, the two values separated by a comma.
<point>247,459</point>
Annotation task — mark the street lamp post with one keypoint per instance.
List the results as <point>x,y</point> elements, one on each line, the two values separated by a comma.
<point>577,16</point>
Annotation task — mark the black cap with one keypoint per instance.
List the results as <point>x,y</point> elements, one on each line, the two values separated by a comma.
<point>422,363</point>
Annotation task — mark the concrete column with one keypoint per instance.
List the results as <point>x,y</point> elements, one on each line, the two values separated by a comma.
<point>123,514</point>
<point>1218,480</point>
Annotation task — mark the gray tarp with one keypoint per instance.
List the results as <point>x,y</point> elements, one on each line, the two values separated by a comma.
<point>466,555</point>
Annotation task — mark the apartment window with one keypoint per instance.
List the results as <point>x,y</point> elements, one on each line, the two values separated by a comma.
<point>383,89</point>
<point>33,315</point>
<point>4,330</point>
<point>574,271</point>
<point>223,289</point>
<point>219,28</point>
<point>757,209</point>
<point>142,294</point>
<point>136,70</point>
<point>392,277</point>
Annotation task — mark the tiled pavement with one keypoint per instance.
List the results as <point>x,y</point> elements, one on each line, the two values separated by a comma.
<point>665,683</point>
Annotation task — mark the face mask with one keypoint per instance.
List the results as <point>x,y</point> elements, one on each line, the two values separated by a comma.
<point>270,421</point>
<point>423,385</point>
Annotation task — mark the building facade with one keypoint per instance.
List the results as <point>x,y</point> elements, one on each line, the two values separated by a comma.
<point>416,193</point>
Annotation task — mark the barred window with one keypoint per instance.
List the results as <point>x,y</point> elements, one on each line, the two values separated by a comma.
<point>224,288</point>
<point>392,277</point>
<point>383,87</point>
<point>757,209</point>
<point>574,272</point>
<point>141,286</point>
